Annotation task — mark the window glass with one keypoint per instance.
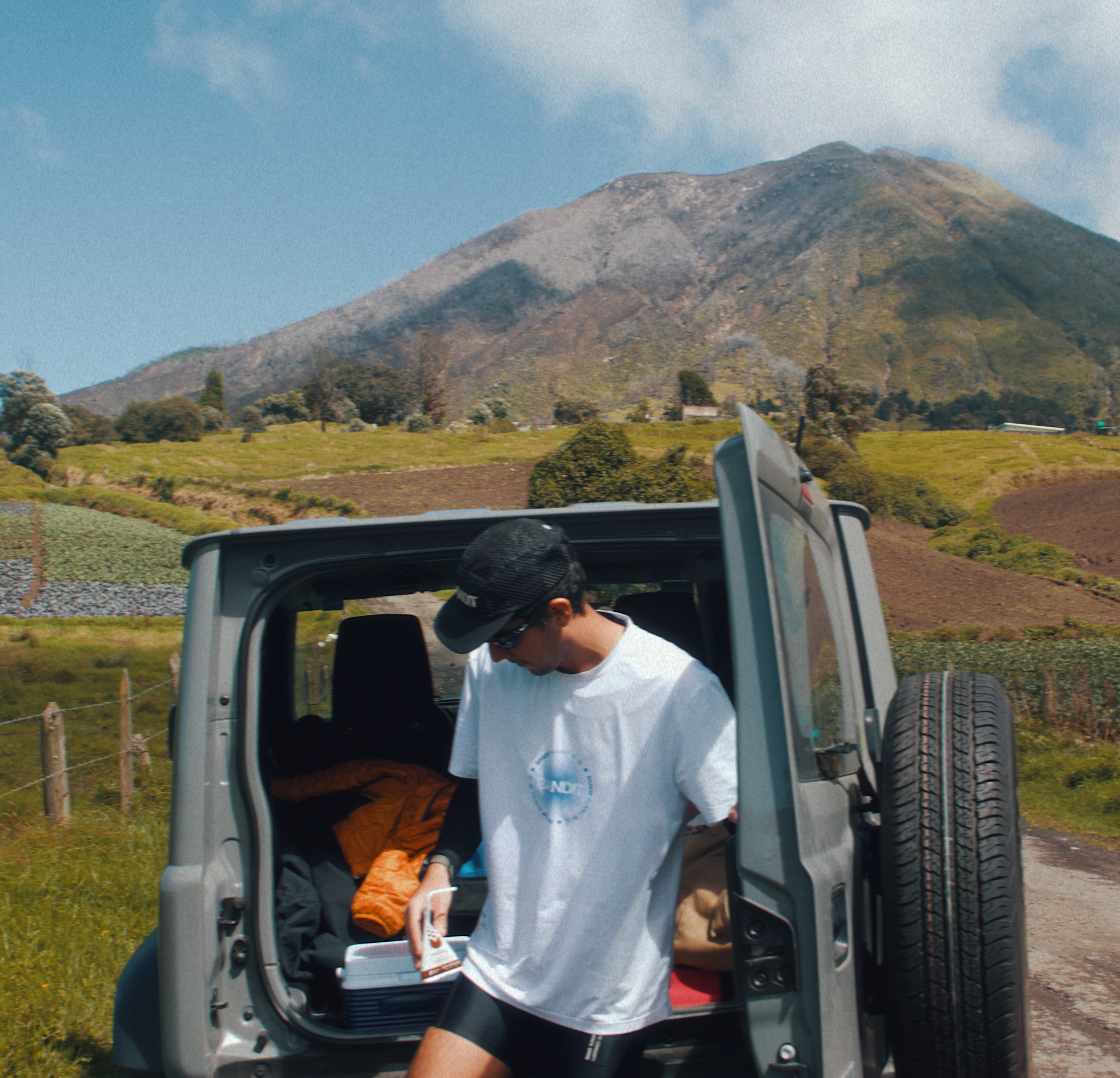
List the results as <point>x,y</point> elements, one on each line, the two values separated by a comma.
<point>810,648</point>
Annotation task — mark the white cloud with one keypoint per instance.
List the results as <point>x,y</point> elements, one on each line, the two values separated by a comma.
<point>33,135</point>
<point>780,76</point>
<point>231,58</point>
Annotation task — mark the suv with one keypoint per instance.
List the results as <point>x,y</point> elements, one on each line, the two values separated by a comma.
<point>874,878</point>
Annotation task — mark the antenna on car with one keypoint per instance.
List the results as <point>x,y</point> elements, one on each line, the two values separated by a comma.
<point>800,431</point>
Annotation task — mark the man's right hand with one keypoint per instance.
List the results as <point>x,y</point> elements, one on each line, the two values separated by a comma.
<point>435,876</point>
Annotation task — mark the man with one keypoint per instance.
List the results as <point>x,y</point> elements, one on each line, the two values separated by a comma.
<point>588,738</point>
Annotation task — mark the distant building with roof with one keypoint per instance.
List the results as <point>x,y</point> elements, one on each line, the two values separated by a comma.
<point>1028,428</point>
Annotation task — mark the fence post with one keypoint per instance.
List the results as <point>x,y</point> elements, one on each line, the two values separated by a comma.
<point>126,756</point>
<point>173,662</point>
<point>56,784</point>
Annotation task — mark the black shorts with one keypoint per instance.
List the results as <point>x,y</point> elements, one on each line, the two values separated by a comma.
<point>529,1044</point>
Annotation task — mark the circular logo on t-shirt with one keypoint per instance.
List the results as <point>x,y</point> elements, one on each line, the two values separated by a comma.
<point>561,786</point>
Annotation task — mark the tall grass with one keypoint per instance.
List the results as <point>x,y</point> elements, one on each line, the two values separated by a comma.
<point>75,902</point>
<point>76,662</point>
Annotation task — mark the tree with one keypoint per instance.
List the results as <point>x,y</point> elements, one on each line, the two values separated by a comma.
<point>213,393</point>
<point>322,391</point>
<point>381,394</point>
<point>694,390</point>
<point>430,357</point>
<point>88,428</point>
<point>571,412</point>
<point>837,409</point>
<point>176,419</point>
<point>36,427</point>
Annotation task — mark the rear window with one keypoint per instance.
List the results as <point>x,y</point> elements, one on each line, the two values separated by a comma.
<point>821,721</point>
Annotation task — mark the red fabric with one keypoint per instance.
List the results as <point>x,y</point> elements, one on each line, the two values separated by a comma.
<point>690,987</point>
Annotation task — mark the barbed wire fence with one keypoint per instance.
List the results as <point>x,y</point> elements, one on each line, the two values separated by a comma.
<point>133,746</point>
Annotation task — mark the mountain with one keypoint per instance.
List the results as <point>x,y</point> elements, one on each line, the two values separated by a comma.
<point>902,271</point>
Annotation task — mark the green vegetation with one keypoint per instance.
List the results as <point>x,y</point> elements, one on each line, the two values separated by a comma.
<point>299,450</point>
<point>75,902</point>
<point>176,419</point>
<point>694,390</point>
<point>83,544</point>
<point>572,411</point>
<point>598,464</point>
<point>973,465</point>
<point>31,422</point>
<point>213,393</point>
<point>907,498</point>
<point>982,539</point>
<point>76,662</point>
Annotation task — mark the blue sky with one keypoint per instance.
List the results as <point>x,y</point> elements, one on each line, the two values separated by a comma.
<point>193,172</point>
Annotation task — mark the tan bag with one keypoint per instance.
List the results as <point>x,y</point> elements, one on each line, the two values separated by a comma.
<point>703,934</point>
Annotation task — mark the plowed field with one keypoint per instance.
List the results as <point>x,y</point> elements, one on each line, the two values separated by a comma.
<point>1083,517</point>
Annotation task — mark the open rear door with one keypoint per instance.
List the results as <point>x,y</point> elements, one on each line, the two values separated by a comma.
<point>799,701</point>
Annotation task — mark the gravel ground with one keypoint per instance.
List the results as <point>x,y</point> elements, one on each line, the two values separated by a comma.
<point>85,599</point>
<point>16,577</point>
<point>16,509</point>
<point>1073,934</point>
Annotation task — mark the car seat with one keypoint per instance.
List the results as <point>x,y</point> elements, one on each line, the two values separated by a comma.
<point>383,703</point>
<point>669,614</point>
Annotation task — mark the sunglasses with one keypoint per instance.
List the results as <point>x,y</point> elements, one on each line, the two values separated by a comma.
<point>510,639</point>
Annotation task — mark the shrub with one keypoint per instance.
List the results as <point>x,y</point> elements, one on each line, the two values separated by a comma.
<point>571,412</point>
<point>823,456</point>
<point>212,419</point>
<point>284,408</point>
<point>251,420</point>
<point>895,497</point>
<point>598,464</point>
<point>986,541</point>
<point>178,419</point>
<point>639,413</point>
<point>418,424</point>
<point>87,428</point>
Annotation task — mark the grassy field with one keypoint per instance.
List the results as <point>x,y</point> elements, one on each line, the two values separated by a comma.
<point>976,466</point>
<point>74,904</point>
<point>302,450</point>
<point>75,662</point>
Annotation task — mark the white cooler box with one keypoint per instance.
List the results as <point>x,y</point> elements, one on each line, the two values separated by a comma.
<point>381,989</point>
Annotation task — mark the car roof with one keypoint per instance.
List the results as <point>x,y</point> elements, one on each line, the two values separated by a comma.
<point>583,516</point>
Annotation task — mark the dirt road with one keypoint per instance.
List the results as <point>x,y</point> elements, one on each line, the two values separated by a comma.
<point>1073,933</point>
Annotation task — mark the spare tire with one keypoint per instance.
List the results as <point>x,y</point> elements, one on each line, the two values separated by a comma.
<point>953,921</point>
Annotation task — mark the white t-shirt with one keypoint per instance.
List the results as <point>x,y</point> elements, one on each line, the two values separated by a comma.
<point>584,780</point>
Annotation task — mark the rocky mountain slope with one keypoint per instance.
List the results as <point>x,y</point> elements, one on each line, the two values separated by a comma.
<point>902,271</point>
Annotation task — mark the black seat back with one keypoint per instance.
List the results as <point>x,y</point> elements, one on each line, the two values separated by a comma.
<point>383,706</point>
<point>669,614</point>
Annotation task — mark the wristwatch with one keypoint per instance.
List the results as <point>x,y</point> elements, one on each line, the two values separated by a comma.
<point>437,859</point>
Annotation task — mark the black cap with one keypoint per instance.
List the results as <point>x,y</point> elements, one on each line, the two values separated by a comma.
<point>508,567</point>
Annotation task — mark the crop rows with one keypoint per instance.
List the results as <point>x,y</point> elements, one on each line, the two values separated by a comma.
<point>16,530</point>
<point>1068,684</point>
<point>83,544</point>
<point>95,564</point>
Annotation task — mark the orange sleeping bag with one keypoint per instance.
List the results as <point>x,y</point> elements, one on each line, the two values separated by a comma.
<point>385,840</point>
